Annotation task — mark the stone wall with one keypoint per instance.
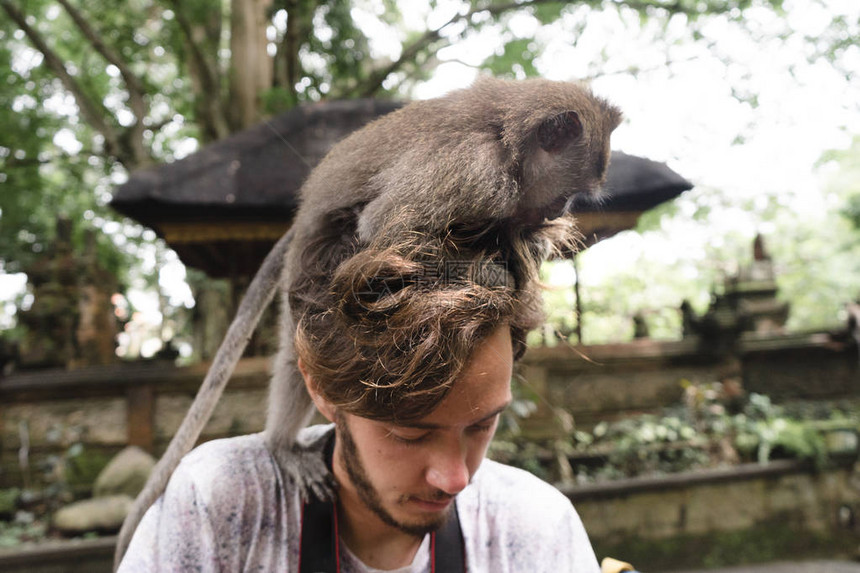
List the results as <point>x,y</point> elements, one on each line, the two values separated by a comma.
<point>142,404</point>
<point>43,414</point>
<point>815,366</point>
<point>604,382</point>
<point>722,517</point>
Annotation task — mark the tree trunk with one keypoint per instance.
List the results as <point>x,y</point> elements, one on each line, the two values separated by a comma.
<point>201,41</point>
<point>251,65</point>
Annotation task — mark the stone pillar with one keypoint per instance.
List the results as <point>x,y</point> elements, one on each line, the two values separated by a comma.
<point>71,322</point>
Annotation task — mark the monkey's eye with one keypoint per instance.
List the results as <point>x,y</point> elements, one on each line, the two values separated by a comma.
<point>559,130</point>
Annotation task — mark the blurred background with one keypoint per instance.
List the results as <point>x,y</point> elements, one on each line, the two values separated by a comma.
<point>150,152</point>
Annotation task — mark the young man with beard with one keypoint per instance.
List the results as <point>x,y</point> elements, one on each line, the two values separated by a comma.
<point>410,354</point>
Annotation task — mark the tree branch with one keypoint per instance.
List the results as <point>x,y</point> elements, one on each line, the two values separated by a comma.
<point>636,71</point>
<point>290,46</point>
<point>136,91</point>
<point>212,106</point>
<point>93,111</point>
<point>676,7</point>
<point>374,81</point>
<point>46,158</point>
<point>251,67</point>
<point>135,87</point>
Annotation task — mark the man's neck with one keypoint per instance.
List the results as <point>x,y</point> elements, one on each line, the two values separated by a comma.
<point>371,540</point>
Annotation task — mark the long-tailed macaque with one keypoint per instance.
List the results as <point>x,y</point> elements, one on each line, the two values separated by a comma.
<point>496,159</point>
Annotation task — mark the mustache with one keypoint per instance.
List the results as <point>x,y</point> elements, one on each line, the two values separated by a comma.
<point>437,496</point>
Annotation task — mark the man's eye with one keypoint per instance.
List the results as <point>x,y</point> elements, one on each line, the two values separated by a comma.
<point>483,428</point>
<point>409,439</point>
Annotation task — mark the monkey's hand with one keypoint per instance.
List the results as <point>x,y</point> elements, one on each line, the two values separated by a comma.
<point>305,468</point>
<point>302,464</point>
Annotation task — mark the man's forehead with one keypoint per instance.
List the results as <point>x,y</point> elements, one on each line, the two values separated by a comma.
<point>480,393</point>
<point>428,423</point>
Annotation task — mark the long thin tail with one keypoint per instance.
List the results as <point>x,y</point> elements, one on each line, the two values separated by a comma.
<point>258,296</point>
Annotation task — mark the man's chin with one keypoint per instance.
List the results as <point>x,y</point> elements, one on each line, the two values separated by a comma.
<point>423,522</point>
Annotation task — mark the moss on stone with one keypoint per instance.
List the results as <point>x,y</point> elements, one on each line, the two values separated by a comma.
<point>9,501</point>
<point>772,540</point>
<point>82,469</point>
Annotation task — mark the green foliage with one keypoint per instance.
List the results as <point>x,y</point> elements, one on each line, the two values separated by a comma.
<point>25,515</point>
<point>710,428</point>
<point>845,183</point>
<point>523,405</point>
<point>82,467</point>
<point>549,12</point>
<point>23,529</point>
<point>779,538</point>
<point>345,49</point>
<point>653,289</point>
<point>819,267</point>
<point>648,445</point>
<point>41,178</point>
<point>516,59</point>
<point>278,99</point>
<point>704,433</point>
<point>816,255</point>
<point>651,220</point>
<point>852,210</point>
<point>763,431</point>
<point>167,45</point>
<point>9,501</point>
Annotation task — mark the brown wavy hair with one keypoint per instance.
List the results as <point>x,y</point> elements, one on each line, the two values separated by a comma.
<point>400,318</point>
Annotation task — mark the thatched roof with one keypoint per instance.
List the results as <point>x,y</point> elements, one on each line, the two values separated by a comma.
<point>633,185</point>
<point>223,207</point>
<point>255,173</point>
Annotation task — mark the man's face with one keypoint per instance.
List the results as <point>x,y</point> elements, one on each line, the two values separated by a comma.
<point>408,475</point>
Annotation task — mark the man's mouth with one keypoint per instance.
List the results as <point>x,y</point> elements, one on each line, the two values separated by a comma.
<point>431,505</point>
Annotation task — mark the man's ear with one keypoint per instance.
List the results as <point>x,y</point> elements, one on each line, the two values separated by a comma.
<point>323,405</point>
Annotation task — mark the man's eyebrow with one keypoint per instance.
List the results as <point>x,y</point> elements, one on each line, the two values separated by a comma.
<point>429,426</point>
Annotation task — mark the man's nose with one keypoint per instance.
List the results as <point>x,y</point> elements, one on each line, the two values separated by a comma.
<point>448,470</point>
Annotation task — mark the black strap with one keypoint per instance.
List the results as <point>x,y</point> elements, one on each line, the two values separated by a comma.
<point>320,552</point>
<point>319,541</point>
<point>449,553</point>
<point>319,538</point>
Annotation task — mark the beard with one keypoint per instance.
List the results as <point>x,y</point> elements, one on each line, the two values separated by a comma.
<point>369,495</point>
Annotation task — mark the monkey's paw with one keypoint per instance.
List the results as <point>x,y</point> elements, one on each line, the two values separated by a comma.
<point>304,467</point>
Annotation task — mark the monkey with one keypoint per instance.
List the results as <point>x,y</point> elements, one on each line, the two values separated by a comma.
<point>500,155</point>
<point>498,151</point>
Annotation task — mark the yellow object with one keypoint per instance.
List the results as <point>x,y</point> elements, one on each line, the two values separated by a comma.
<point>610,565</point>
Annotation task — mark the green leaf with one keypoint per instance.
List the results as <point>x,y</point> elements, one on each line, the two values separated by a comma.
<point>548,12</point>
<point>515,60</point>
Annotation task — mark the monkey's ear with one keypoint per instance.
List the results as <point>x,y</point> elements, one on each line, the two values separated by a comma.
<point>557,131</point>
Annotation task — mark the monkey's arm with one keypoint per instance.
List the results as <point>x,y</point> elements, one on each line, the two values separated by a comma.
<point>256,299</point>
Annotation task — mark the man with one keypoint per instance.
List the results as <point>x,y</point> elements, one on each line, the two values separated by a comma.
<point>412,363</point>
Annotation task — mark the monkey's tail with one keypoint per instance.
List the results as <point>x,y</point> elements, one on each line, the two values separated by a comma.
<point>257,298</point>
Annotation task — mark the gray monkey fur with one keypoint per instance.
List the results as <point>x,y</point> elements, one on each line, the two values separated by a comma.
<point>258,296</point>
<point>499,153</point>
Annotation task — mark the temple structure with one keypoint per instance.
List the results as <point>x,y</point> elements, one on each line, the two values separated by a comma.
<point>748,306</point>
<point>71,322</point>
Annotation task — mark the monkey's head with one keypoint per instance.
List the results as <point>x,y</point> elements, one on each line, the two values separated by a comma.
<point>558,135</point>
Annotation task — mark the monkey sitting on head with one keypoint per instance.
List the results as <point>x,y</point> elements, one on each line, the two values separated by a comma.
<point>488,163</point>
<point>501,156</point>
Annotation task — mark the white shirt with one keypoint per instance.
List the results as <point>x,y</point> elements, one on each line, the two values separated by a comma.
<point>226,508</point>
